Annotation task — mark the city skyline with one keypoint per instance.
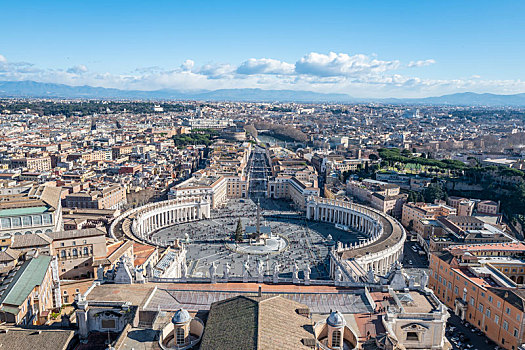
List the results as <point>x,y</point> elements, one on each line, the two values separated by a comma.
<point>387,50</point>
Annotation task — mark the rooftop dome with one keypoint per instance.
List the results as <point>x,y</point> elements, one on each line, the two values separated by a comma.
<point>181,316</point>
<point>336,319</point>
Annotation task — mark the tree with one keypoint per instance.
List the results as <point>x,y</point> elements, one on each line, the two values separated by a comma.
<point>410,226</point>
<point>433,192</point>
<point>238,231</point>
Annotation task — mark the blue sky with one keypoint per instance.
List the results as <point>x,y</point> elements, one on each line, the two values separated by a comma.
<point>362,48</point>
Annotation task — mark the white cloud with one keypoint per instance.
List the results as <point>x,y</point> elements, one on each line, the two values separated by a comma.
<point>357,75</point>
<point>216,71</point>
<point>421,63</point>
<point>265,66</point>
<point>187,65</point>
<point>78,69</point>
<point>341,64</point>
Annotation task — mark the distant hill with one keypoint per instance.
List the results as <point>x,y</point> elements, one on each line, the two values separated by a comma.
<point>468,98</point>
<point>47,90</point>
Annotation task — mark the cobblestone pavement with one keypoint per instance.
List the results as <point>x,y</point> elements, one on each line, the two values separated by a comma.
<point>308,240</point>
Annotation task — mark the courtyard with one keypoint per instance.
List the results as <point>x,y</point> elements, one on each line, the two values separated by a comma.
<point>308,242</point>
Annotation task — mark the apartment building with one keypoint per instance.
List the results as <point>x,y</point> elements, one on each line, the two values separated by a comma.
<point>477,283</point>
<point>413,213</point>
<point>488,207</point>
<point>36,209</point>
<point>75,250</point>
<point>107,197</point>
<point>29,291</point>
<point>288,187</point>
<point>36,164</point>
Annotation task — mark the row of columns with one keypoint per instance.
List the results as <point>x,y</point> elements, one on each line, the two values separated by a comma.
<point>343,216</point>
<point>161,218</point>
<point>382,266</point>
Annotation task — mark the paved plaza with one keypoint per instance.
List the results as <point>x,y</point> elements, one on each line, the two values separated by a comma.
<point>308,241</point>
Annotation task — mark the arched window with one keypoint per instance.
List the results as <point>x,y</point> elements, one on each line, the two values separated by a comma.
<point>63,254</point>
<point>75,252</point>
<point>86,251</point>
<point>180,336</point>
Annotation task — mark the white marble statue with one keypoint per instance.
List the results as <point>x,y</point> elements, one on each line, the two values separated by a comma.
<point>307,272</point>
<point>245,268</point>
<point>295,273</point>
<point>183,269</point>
<point>276,272</point>
<point>337,274</point>
<point>424,280</point>
<point>226,271</point>
<point>260,267</point>
<point>212,269</point>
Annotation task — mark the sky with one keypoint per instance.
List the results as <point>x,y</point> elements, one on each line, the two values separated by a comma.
<point>360,48</point>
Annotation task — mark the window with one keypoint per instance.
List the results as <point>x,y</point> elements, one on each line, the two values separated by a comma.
<point>505,325</point>
<point>456,290</point>
<point>496,319</point>
<point>518,317</point>
<point>63,254</point>
<point>108,324</point>
<point>26,221</point>
<point>515,332</point>
<point>480,307</point>
<point>507,310</point>
<point>47,219</point>
<point>37,220</point>
<point>17,222</point>
<point>75,252</point>
<point>482,294</point>
<point>488,313</point>
<point>490,298</point>
<point>472,301</point>
<point>412,336</point>
<point>498,304</point>
<point>86,251</point>
<point>180,336</point>
<point>336,338</point>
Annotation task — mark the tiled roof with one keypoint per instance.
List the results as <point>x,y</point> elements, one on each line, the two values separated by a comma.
<point>89,232</point>
<point>30,240</point>
<point>30,275</point>
<point>256,323</point>
<point>30,339</point>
